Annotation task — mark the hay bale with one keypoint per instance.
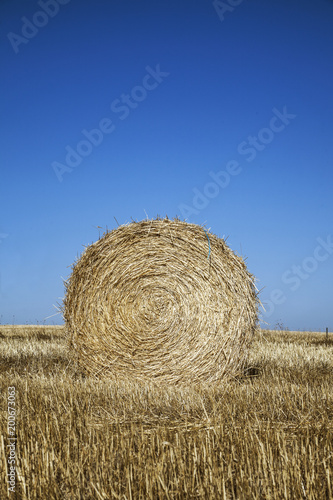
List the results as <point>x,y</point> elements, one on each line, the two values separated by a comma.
<point>162,300</point>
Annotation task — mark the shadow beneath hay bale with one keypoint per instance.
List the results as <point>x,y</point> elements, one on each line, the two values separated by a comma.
<point>250,371</point>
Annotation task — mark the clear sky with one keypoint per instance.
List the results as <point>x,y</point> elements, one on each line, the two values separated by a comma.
<point>220,113</point>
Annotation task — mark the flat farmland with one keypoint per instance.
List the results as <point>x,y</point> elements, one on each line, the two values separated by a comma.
<point>265,435</point>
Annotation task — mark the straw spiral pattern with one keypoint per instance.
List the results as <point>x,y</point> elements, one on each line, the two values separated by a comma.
<point>162,300</point>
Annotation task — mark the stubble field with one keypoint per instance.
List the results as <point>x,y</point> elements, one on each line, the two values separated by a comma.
<point>266,435</point>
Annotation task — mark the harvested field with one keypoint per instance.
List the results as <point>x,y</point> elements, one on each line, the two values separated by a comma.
<point>266,434</point>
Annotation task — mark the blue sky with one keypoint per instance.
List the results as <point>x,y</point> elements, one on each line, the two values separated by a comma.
<point>220,113</point>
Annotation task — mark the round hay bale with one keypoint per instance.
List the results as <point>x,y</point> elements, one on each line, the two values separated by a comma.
<point>161,300</point>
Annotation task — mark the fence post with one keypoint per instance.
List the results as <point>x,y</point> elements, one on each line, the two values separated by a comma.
<point>326,333</point>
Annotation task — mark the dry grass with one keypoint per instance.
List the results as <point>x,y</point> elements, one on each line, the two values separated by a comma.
<point>266,435</point>
<point>161,300</point>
